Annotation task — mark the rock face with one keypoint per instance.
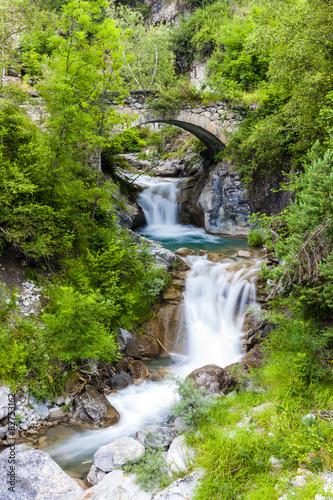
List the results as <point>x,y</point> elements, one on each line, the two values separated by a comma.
<point>182,489</point>
<point>93,408</point>
<point>36,476</point>
<point>180,456</point>
<point>165,12</point>
<point>116,486</point>
<point>214,378</point>
<point>224,202</point>
<point>114,455</point>
<point>255,330</point>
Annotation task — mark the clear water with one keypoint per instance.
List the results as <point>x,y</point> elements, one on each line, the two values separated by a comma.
<point>216,299</point>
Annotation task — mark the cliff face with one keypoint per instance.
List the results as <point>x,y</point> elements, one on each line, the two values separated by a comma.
<point>167,12</point>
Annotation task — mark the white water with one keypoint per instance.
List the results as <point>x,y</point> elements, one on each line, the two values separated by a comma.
<point>215,303</point>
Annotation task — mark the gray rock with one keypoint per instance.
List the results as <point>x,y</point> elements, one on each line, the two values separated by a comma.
<point>116,486</point>
<point>180,456</point>
<point>37,476</point>
<point>224,203</point>
<point>127,344</point>
<point>95,476</point>
<point>182,489</point>
<point>3,432</point>
<point>93,408</point>
<point>117,453</point>
<point>121,380</point>
<point>157,436</point>
<point>56,414</point>
<point>4,393</point>
<point>41,410</point>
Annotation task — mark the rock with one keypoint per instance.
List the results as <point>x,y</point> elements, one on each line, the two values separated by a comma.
<point>224,202</point>
<point>253,358</point>
<point>60,400</point>
<point>256,329</point>
<point>162,255</point>
<point>157,436</point>
<point>95,475</point>
<point>214,378</point>
<point>182,489</point>
<point>159,374</point>
<point>121,380</point>
<point>3,432</point>
<point>172,293</point>
<point>184,252</point>
<point>56,414</point>
<point>214,257</point>
<point>116,486</point>
<point>148,346</point>
<point>180,456</point>
<point>114,455</point>
<point>299,481</point>
<point>4,400</point>
<point>202,253</point>
<point>244,254</point>
<point>127,344</point>
<point>138,369</point>
<point>36,476</point>
<point>93,408</point>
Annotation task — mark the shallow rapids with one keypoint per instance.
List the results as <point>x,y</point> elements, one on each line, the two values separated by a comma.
<point>216,299</point>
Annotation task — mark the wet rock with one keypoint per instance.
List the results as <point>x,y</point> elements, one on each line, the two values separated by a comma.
<point>184,252</point>
<point>157,436</point>
<point>36,476</point>
<point>114,455</point>
<point>116,486</point>
<point>244,254</point>
<point>138,369</point>
<point>169,327</point>
<point>127,344</point>
<point>182,489</point>
<point>214,257</point>
<point>93,408</point>
<point>253,358</point>
<point>180,456</point>
<point>202,253</point>
<point>213,378</point>
<point>121,380</point>
<point>4,400</point>
<point>159,374</point>
<point>148,346</point>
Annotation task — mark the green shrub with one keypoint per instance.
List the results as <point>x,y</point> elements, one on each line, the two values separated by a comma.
<point>151,471</point>
<point>194,404</point>
<point>256,238</point>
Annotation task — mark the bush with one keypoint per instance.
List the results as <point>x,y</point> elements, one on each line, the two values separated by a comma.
<point>194,404</point>
<point>256,238</point>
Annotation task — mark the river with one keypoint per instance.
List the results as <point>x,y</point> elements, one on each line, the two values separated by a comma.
<point>216,299</point>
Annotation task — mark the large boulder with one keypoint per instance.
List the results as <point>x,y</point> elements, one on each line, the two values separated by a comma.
<point>255,330</point>
<point>214,378</point>
<point>157,436</point>
<point>116,486</point>
<point>180,456</point>
<point>113,456</point>
<point>93,408</point>
<point>4,400</point>
<point>182,489</point>
<point>127,344</point>
<point>148,346</point>
<point>34,475</point>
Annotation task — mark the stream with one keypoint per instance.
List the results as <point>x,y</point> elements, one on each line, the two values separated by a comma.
<point>217,296</point>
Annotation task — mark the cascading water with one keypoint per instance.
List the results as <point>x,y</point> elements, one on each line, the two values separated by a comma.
<point>216,299</point>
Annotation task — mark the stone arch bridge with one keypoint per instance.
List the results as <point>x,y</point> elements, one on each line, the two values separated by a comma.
<point>212,123</point>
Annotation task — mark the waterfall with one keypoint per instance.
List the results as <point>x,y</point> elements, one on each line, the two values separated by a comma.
<point>216,299</point>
